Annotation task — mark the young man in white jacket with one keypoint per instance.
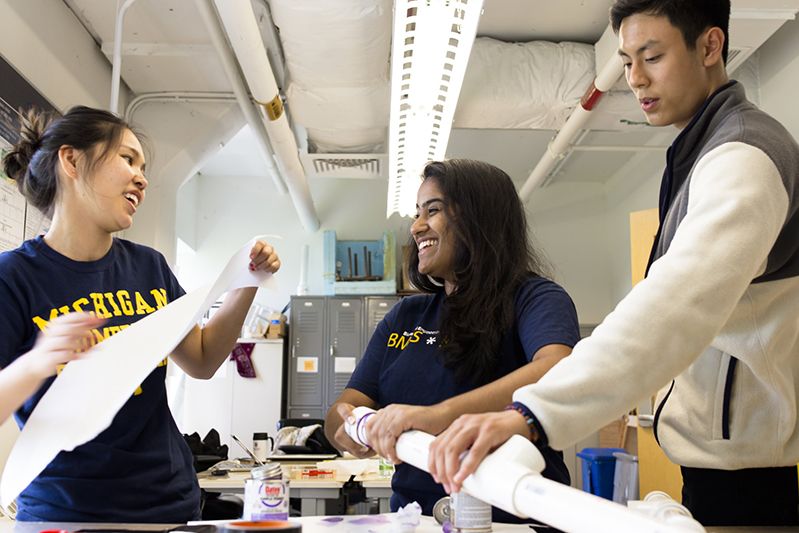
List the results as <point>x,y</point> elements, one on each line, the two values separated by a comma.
<point>715,324</point>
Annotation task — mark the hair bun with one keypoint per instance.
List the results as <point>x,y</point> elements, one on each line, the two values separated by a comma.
<point>33,125</point>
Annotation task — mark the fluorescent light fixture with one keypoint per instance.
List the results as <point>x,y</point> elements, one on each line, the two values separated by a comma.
<point>430,49</point>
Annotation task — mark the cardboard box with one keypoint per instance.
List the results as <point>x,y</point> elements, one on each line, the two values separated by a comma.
<point>277,326</point>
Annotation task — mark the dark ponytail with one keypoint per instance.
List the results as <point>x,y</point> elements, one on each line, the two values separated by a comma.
<point>33,162</point>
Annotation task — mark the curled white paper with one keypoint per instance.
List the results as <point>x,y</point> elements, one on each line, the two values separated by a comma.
<point>83,400</point>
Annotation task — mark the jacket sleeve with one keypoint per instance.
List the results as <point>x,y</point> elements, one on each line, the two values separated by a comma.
<point>736,208</point>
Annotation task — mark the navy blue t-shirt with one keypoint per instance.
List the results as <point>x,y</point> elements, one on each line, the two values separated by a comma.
<point>401,365</point>
<point>140,468</point>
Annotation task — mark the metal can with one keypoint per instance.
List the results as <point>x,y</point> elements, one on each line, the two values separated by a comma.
<point>468,514</point>
<point>441,511</point>
<point>266,495</point>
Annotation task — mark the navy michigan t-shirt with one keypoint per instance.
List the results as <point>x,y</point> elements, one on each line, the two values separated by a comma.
<point>140,468</point>
<point>401,365</point>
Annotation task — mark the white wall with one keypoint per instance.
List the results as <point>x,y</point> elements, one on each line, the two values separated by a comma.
<point>230,211</point>
<point>184,137</point>
<point>49,47</point>
<point>624,198</point>
<point>573,235</point>
<point>779,76</point>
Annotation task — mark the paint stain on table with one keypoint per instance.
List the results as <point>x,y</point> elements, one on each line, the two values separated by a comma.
<point>357,523</point>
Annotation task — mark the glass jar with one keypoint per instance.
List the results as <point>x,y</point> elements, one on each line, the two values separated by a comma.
<point>266,494</point>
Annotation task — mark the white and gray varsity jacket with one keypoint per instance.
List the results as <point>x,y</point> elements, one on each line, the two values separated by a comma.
<point>719,308</point>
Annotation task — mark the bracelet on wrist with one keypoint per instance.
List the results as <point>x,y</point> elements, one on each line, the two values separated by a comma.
<point>536,432</point>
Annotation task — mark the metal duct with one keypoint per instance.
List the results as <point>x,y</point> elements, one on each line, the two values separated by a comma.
<point>241,28</point>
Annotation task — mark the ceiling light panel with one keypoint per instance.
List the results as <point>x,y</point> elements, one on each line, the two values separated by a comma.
<point>431,43</point>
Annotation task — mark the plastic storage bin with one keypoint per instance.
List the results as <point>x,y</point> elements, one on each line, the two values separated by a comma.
<point>599,469</point>
<point>625,479</point>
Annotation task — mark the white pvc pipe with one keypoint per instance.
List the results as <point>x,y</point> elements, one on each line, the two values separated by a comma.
<point>302,288</point>
<point>509,478</point>
<point>560,145</point>
<point>597,148</point>
<point>175,96</point>
<point>240,91</point>
<point>241,28</point>
<point>116,66</point>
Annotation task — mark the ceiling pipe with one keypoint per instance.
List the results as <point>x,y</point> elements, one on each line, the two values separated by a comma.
<point>176,96</point>
<point>561,144</point>
<point>251,114</point>
<point>116,66</point>
<point>598,148</point>
<point>242,31</point>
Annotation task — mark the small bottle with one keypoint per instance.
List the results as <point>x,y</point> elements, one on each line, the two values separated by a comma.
<point>266,495</point>
<point>385,468</point>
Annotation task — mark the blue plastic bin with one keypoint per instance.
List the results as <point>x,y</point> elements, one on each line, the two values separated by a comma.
<point>599,468</point>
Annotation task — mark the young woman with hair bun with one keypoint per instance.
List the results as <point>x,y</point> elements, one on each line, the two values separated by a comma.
<point>68,290</point>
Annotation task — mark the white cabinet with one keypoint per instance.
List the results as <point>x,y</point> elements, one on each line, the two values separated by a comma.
<point>234,404</point>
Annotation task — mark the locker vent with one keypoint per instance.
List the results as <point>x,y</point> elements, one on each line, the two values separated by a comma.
<point>345,321</point>
<point>340,382</point>
<point>308,320</point>
<point>306,384</point>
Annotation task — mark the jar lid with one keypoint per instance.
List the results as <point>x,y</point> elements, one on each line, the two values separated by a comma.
<point>260,436</point>
<point>267,471</point>
<point>264,526</point>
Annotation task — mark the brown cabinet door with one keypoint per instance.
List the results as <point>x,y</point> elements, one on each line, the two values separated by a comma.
<point>655,470</point>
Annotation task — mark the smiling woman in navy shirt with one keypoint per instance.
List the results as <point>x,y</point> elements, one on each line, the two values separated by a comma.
<point>66,291</point>
<point>488,322</point>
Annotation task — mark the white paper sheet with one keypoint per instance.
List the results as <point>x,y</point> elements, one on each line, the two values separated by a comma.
<point>84,399</point>
<point>344,365</point>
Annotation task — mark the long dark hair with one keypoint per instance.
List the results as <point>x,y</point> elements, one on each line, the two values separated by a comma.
<point>33,162</point>
<point>493,255</point>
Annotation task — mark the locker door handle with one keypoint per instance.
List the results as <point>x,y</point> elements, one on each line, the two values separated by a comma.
<point>332,351</point>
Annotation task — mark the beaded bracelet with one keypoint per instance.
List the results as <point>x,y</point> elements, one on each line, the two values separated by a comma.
<point>532,422</point>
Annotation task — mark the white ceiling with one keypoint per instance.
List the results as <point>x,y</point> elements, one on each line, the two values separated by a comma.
<point>544,20</point>
<point>166,48</point>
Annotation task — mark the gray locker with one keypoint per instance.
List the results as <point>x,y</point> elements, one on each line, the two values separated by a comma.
<point>376,309</point>
<point>345,336</point>
<point>307,413</point>
<point>328,335</point>
<point>306,368</point>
